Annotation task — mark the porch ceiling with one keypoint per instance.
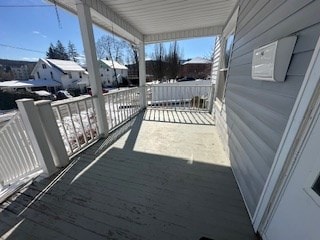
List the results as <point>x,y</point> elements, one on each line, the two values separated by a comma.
<point>154,20</point>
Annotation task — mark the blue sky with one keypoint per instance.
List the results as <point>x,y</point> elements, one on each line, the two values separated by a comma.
<point>36,27</point>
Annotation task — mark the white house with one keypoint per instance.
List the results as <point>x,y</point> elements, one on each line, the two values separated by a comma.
<point>68,73</point>
<point>107,72</point>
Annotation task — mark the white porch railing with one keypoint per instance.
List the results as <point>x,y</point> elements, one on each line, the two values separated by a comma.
<point>121,106</point>
<point>77,123</point>
<point>25,152</point>
<point>179,97</point>
<point>17,157</point>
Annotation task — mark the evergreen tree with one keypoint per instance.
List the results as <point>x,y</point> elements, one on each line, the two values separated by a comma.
<point>57,52</point>
<point>51,52</point>
<point>72,52</point>
<point>61,51</point>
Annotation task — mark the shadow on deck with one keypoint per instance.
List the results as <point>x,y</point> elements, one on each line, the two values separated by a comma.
<point>148,180</point>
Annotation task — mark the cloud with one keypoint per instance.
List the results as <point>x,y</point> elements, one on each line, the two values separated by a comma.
<point>39,33</point>
<point>30,58</point>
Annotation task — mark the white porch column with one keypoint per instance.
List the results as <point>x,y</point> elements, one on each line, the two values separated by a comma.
<point>85,21</point>
<point>142,76</point>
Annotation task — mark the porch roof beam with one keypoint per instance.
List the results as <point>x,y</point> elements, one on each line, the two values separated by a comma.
<point>105,18</point>
<point>183,34</point>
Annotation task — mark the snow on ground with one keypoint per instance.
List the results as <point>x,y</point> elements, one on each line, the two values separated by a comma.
<point>79,128</point>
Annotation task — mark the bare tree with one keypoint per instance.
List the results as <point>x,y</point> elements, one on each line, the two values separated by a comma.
<point>112,49</point>
<point>159,61</point>
<point>173,60</point>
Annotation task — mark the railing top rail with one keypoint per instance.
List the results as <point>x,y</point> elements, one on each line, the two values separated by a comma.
<point>184,85</point>
<point>122,90</point>
<point>9,122</point>
<point>119,91</point>
<point>70,100</point>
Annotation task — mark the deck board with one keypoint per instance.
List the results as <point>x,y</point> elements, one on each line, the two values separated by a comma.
<point>159,177</point>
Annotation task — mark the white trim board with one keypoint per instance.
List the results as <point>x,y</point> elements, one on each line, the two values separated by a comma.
<point>298,120</point>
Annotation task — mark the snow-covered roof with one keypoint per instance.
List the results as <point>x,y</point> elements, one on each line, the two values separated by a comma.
<point>115,64</point>
<point>198,60</point>
<point>29,83</point>
<point>65,65</point>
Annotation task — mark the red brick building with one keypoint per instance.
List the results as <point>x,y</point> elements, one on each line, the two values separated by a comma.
<point>196,68</point>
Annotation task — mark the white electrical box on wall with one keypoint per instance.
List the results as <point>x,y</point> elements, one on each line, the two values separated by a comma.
<point>271,62</point>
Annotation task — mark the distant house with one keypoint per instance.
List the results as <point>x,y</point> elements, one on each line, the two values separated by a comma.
<point>112,71</point>
<point>67,73</point>
<point>15,69</point>
<point>133,71</point>
<point>20,72</point>
<point>196,68</point>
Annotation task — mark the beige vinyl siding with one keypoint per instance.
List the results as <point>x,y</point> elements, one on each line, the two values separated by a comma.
<point>257,111</point>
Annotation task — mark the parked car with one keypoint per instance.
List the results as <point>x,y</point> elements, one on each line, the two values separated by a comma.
<point>63,94</point>
<point>45,95</point>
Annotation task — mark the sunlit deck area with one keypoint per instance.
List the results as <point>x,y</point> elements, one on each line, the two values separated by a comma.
<point>162,175</point>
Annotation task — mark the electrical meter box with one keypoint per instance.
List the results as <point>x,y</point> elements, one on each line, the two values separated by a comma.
<point>271,62</point>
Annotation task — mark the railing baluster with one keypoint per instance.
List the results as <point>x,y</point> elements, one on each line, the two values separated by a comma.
<point>13,150</point>
<point>8,170</point>
<point>110,111</point>
<point>127,104</point>
<point>73,126</point>
<point>77,122</point>
<point>81,123</point>
<point>25,144</point>
<point>199,98</point>
<point>89,122</point>
<point>17,145</point>
<point>64,129</point>
<point>123,110</point>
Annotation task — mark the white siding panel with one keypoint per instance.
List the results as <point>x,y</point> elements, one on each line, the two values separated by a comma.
<point>257,111</point>
<point>216,59</point>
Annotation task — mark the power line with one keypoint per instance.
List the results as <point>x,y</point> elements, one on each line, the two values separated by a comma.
<point>20,48</point>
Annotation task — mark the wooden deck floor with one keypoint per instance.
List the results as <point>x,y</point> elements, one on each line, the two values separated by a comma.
<point>151,179</point>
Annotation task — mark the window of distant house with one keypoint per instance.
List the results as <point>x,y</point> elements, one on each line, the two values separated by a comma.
<point>38,74</point>
<point>51,74</point>
<point>70,75</point>
<point>44,66</point>
<point>101,75</point>
<point>107,69</point>
<point>80,75</point>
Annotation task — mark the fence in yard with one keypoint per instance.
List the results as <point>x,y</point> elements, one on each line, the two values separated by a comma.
<point>17,157</point>
<point>77,123</point>
<point>121,106</point>
<point>179,97</point>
